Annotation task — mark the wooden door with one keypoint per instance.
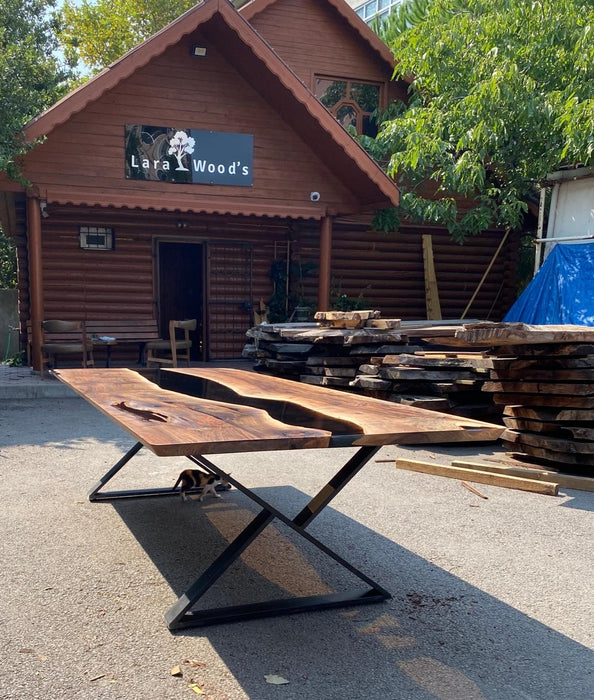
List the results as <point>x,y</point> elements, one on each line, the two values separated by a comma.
<point>181,288</point>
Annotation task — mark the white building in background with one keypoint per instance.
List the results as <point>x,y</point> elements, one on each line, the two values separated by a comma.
<point>571,211</point>
<point>370,9</point>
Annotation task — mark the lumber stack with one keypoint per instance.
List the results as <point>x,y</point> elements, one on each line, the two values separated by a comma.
<point>327,352</point>
<point>543,377</point>
<point>385,358</point>
<point>445,381</point>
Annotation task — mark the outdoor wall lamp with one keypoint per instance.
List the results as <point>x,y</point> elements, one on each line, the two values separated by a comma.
<point>43,208</point>
<point>198,51</point>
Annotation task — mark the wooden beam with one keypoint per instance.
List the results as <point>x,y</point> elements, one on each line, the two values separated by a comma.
<point>35,277</point>
<point>568,481</point>
<point>325,263</point>
<point>432,304</point>
<point>480,477</point>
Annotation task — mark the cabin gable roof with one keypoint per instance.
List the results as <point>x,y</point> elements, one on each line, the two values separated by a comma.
<point>258,64</point>
<point>344,12</point>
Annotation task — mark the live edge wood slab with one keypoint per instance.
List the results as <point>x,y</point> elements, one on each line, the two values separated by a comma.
<point>172,423</point>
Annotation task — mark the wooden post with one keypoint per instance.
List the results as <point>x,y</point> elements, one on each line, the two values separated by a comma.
<point>35,277</point>
<point>432,304</point>
<point>325,263</point>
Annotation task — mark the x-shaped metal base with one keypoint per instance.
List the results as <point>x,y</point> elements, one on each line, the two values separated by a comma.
<point>182,615</point>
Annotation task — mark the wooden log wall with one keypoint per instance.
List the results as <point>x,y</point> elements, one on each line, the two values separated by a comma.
<point>121,283</point>
<point>386,271</point>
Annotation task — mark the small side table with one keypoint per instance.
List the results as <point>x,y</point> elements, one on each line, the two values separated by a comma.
<point>107,344</point>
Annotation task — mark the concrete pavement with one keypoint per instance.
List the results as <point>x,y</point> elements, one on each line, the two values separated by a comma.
<point>491,598</point>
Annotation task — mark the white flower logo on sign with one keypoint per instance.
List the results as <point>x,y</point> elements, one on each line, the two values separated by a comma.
<point>179,145</point>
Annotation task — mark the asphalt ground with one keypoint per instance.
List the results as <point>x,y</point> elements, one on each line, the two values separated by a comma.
<point>491,598</point>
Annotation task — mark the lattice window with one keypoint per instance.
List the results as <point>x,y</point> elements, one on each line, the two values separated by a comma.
<point>353,103</point>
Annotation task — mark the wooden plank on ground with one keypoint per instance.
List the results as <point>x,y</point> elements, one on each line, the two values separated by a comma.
<point>480,477</point>
<point>568,481</point>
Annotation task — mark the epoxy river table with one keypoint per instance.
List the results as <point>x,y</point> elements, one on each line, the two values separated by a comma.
<point>200,411</point>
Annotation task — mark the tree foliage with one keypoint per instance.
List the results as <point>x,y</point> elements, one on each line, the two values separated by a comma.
<point>8,264</point>
<point>32,77</point>
<point>98,33</point>
<point>403,16</point>
<point>502,94</point>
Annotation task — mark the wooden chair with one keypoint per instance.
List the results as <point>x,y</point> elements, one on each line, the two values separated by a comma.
<point>175,348</point>
<point>65,338</point>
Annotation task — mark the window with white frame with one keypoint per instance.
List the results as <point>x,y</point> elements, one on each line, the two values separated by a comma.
<point>96,237</point>
<point>375,8</point>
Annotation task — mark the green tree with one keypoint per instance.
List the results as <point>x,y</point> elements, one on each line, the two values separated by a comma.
<point>502,94</point>
<point>8,266</point>
<point>98,33</point>
<point>403,16</point>
<point>32,76</point>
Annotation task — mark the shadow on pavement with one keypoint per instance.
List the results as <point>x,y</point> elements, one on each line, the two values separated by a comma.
<point>439,637</point>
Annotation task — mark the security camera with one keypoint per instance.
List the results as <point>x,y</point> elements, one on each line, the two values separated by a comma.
<point>314,196</point>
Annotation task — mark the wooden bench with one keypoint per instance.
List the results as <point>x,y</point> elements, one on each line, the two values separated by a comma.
<point>136,331</point>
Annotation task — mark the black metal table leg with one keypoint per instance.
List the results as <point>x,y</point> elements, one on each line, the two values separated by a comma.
<point>94,494</point>
<point>181,614</point>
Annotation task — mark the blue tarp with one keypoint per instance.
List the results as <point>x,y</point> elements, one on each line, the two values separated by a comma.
<point>562,291</point>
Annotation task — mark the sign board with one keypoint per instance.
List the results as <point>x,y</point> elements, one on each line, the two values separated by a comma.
<point>170,154</point>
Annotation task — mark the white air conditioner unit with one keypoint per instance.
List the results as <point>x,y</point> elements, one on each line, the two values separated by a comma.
<point>96,238</point>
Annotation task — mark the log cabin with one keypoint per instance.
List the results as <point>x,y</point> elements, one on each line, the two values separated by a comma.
<point>209,169</point>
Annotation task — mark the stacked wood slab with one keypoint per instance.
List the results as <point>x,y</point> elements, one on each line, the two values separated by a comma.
<point>327,352</point>
<point>443,381</point>
<point>386,358</point>
<point>543,376</point>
